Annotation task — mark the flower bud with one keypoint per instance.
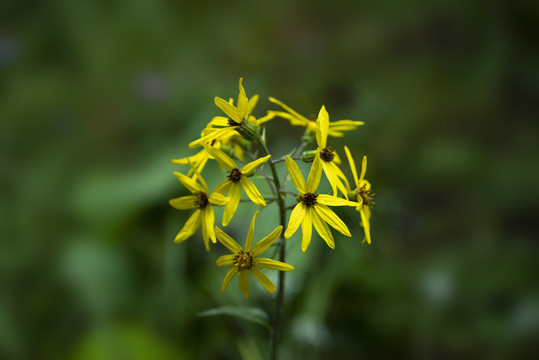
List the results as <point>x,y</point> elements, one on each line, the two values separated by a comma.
<point>308,156</point>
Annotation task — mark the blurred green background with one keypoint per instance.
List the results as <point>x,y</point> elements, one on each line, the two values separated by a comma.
<point>96,97</point>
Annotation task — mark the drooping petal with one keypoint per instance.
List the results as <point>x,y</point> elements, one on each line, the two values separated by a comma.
<point>296,218</point>
<point>252,192</point>
<point>363,168</point>
<point>266,242</point>
<point>205,235</point>
<point>332,177</point>
<point>229,275</point>
<point>337,175</point>
<point>315,174</point>
<point>234,197</point>
<point>290,110</point>
<point>366,225</point>
<point>332,219</point>
<point>183,202</point>
<point>250,234</point>
<point>225,260</point>
<point>335,201</point>
<point>218,199</point>
<point>271,264</point>
<point>227,241</point>
<point>209,221</point>
<point>352,164</point>
<point>221,157</point>
<point>229,109</point>
<point>264,280</point>
<point>224,187</point>
<point>198,177</point>
<point>295,174</point>
<point>323,230</point>
<point>191,225</point>
<point>244,282</point>
<point>254,164</point>
<point>189,183</point>
<point>307,229</point>
<point>323,126</point>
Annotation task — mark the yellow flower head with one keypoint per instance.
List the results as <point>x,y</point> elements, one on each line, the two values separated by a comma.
<point>336,128</point>
<point>245,262</point>
<point>235,181</point>
<point>363,193</point>
<point>312,208</point>
<point>202,201</point>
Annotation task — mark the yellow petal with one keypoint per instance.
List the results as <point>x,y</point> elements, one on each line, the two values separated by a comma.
<point>264,280</point>
<point>250,234</point>
<point>332,219</point>
<point>252,103</point>
<point>229,275</point>
<point>273,264</point>
<point>332,177</point>
<point>295,174</point>
<point>219,121</point>
<point>294,120</point>
<point>227,241</point>
<point>323,126</point>
<point>266,242</point>
<point>209,220</point>
<point>296,218</point>
<point>205,235</point>
<point>346,124</point>
<point>183,202</point>
<point>210,135</point>
<point>366,225</point>
<point>221,157</point>
<point>290,110</point>
<point>247,168</point>
<point>323,230</point>
<point>189,183</point>
<point>191,225</point>
<point>336,174</point>
<point>307,229</point>
<point>244,282</point>
<point>217,199</point>
<point>198,177</point>
<point>233,200</point>
<point>229,109</point>
<point>334,201</point>
<point>363,167</point>
<point>315,174</point>
<point>352,164</point>
<point>242,100</point>
<point>225,260</point>
<point>252,192</point>
<point>224,187</point>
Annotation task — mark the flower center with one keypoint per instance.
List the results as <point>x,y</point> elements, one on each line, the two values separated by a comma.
<point>201,200</point>
<point>365,195</point>
<point>231,122</point>
<point>312,118</point>
<point>327,154</point>
<point>235,175</point>
<point>244,260</point>
<point>308,199</point>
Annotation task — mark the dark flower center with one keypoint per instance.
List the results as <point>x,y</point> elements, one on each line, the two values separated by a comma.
<point>312,118</point>
<point>244,260</point>
<point>231,122</point>
<point>366,195</point>
<point>327,154</point>
<point>235,175</point>
<point>308,199</point>
<point>201,200</point>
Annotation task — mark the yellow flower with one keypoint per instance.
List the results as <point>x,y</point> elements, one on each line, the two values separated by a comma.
<point>329,157</point>
<point>198,161</point>
<point>312,208</point>
<point>236,180</point>
<point>363,193</point>
<point>202,201</point>
<point>245,262</point>
<point>336,128</point>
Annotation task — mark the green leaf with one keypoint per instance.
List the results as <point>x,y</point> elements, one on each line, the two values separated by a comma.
<point>253,314</point>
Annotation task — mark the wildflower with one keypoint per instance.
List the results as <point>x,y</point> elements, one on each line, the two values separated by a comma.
<point>312,208</point>
<point>245,262</point>
<point>363,194</point>
<point>236,179</point>
<point>202,201</point>
<point>336,128</point>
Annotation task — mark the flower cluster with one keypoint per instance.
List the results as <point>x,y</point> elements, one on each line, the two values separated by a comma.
<point>238,138</point>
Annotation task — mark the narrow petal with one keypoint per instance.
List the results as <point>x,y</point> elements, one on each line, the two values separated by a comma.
<point>229,275</point>
<point>205,235</point>
<point>323,230</point>
<point>191,225</point>
<point>221,157</point>
<point>337,175</point>
<point>252,103</point>
<point>229,109</point>
<point>254,164</point>
<point>209,221</point>
<point>315,174</point>
<point>217,199</point>
<point>227,241</point>
<point>341,175</point>
<point>346,124</point>
<point>233,200</point>
<point>294,120</point>
<point>352,164</point>
<point>225,260</point>
<point>264,280</point>
<point>266,242</point>
<point>290,110</point>
<point>332,177</point>
<point>334,201</point>
<point>189,183</point>
<point>224,187</point>
<point>242,100</point>
<point>332,219</point>
<point>183,202</point>
<point>366,225</point>
<point>252,192</point>
<point>296,218</point>
<point>295,174</point>
<point>323,126</point>
<point>273,264</point>
<point>210,135</point>
<point>307,229</point>
<point>363,168</point>
<point>250,234</point>
<point>244,282</point>
<point>199,177</point>
<point>219,121</point>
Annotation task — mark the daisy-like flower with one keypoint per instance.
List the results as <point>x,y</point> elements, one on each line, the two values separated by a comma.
<point>245,262</point>
<point>202,201</point>
<point>329,157</point>
<point>363,193</point>
<point>336,128</point>
<point>235,181</point>
<point>312,208</point>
